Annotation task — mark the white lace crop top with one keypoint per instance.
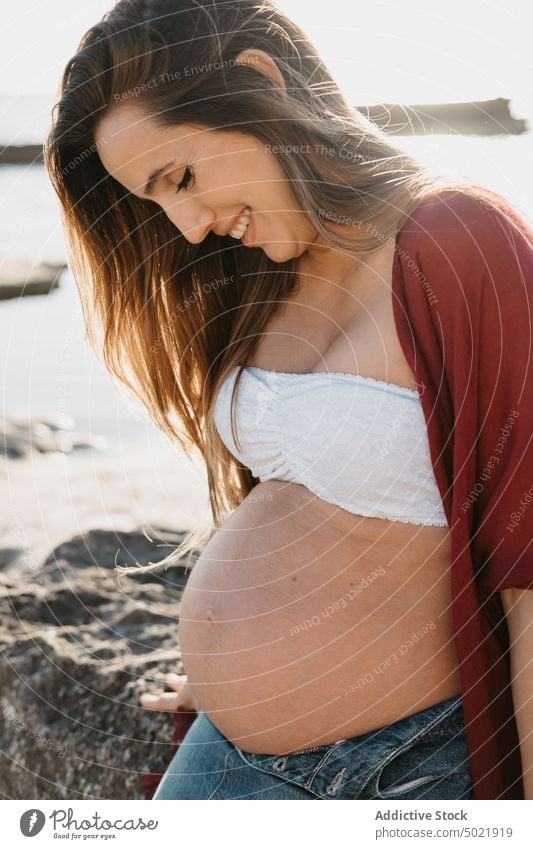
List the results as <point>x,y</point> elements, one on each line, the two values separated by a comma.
<point>354,441</point>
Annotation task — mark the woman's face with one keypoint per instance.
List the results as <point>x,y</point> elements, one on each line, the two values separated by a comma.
<point>228,171</point>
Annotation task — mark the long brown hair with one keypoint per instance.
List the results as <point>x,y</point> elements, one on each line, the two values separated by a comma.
<point>177,317</point>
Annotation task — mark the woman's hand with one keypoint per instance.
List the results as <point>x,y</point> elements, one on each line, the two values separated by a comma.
<point>182,695</point>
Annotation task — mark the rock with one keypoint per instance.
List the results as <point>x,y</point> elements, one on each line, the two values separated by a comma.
<point>20,278</point>
<point>477,117</point>
<point>21,154</point>
<point>18,437</point>
<point>77,651</point>
<point>9,555</point>
<point>106,550</point>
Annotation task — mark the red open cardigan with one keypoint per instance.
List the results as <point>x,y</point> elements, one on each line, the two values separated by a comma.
<point>462,291</point>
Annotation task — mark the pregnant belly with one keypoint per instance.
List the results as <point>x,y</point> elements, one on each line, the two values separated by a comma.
<point>302,624</point>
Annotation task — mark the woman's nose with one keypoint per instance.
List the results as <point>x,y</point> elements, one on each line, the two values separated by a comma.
<point>195,224</point>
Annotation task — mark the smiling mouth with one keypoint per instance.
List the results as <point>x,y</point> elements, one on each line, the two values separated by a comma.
<point>241,226</point>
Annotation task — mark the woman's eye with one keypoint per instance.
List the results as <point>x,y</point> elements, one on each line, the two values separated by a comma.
<point>187,174</point>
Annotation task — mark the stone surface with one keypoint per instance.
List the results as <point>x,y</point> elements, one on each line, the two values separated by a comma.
<point>21,278</point>
<point>78,647</point>
<point>18,437</point>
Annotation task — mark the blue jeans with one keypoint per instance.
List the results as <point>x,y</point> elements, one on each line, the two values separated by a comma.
<point>423,756</point>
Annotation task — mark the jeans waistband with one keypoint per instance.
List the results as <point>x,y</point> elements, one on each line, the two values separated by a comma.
<point>344,768</point>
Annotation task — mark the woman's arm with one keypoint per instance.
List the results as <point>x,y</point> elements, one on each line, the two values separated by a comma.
<point>518,607</point>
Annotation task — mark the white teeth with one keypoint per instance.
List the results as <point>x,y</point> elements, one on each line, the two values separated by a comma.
<point>241,226</point>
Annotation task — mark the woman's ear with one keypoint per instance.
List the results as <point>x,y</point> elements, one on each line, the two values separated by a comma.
<point>263,62</point>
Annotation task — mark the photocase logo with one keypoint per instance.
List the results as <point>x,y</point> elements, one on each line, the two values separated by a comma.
<point>32,822</point>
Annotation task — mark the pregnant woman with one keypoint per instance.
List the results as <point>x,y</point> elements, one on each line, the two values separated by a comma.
<point>344,337</point>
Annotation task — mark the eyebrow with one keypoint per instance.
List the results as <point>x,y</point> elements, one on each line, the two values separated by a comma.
<point>155,175</point>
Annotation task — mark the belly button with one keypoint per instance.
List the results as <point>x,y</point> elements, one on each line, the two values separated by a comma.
<point>210,613</point>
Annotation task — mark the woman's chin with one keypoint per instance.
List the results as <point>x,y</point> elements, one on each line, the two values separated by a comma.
<point>280,252</point>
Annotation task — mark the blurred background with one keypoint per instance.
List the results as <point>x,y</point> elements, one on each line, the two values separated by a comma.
<point>76,453</point>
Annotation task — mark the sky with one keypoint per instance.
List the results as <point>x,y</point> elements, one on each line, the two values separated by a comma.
<point>420,51</point>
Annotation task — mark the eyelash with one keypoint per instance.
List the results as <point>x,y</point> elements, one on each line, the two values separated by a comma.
<point>187,174</point>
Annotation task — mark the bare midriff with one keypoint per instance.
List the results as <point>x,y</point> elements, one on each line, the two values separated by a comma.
<point>303,624</point>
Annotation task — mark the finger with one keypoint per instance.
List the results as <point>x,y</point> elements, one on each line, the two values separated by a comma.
<point>163,701</point>
<point>174,680</point>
